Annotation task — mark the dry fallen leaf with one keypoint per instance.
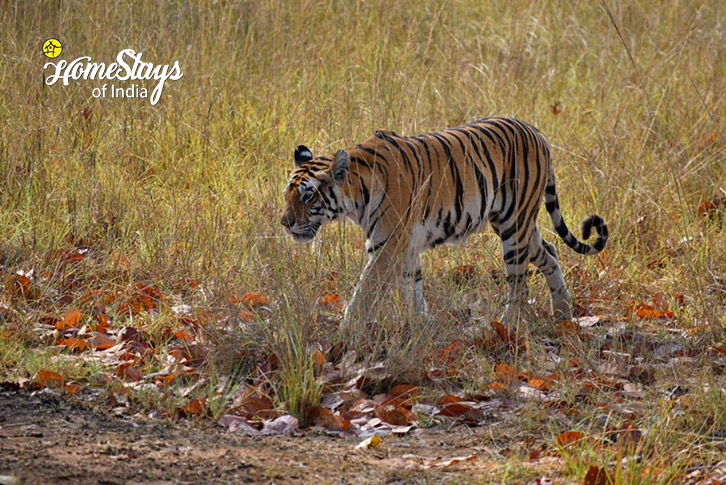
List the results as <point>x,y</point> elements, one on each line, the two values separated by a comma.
<point>254,299</point>
<point>647,311</point>
<point>72,388</point>
<point>251,403</point>
<point>246,316</point>
<point>238,424</point>
<point>588,321</point>
<point>286,425</point>
<point>370,442</point>
<point>569,437</point>
<point>319,359</point>
<point>713,209</point>
<point>195,407</point>
<point>597,476</point>
<point>331,302</point>
<point>450,461</point>
<point>128,372</point>
<point>404,391</point>
<point>73,344</point>
<point>101,341</point>
<point>327,419</point>
<point>71,318</point>
<point>498,386</point>
<point>393,414</point>
<point>20,286</point>
<point>49,378</point>
<point>456,407</point>
<point>541,383</point>
<point>506,374</point>
<point>462,274</point>
<point>515,341</point>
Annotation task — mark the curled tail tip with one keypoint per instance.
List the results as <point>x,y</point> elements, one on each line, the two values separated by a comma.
<point>588,223</point>
<point>597,222</point>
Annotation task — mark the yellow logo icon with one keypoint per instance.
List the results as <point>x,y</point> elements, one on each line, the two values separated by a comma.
<point>52,48</point>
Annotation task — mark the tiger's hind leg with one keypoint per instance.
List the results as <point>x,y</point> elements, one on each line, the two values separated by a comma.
<point>544,256</point>
<point>516,260</point>
<point>413,284</point>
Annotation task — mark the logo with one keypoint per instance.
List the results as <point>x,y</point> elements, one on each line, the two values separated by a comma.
<point>129,66</point>
<point>52,48</point>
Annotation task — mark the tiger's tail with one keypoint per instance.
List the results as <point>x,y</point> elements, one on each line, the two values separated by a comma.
<point>594,221</point>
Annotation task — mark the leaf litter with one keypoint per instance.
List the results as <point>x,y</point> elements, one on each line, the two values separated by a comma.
<point>117,331</point>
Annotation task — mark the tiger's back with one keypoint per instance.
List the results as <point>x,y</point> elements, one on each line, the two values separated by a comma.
<point>442,186</point>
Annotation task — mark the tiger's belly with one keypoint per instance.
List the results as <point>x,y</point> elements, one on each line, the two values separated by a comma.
<point>446,229</point>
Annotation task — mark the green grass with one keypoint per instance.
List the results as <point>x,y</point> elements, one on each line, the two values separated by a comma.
<point>191,189</point>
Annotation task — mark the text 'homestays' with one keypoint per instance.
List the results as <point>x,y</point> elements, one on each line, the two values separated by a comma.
<point>128,67</point>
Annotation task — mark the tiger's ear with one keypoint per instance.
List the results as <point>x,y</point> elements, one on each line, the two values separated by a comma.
<point>339,167</point>
<point>302,155</point>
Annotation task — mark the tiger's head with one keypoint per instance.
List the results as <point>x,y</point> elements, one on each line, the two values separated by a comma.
<point>314,194</point>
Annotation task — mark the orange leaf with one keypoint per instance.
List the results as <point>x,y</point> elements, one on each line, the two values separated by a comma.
<point>597,476</point>
<point>502,332</point>
<point>647,311</point>
<point>164,380</point>
<point>195,407</point>
<point>453,406</point>
<point>71,318</point>
<point>556,108</point>
<point>183,336</point>
<point>246,316</point>
<point>396,415</point>
<point>49,378</point>
<point>66,256</point>
<point>101,342</point>
<point>20,286</point>
<point>142,298</point>
<point>254,299</point>
<point>102,322</point>
<point>463,273</point>
<point>451,352</point>
<point>541,383</point>
<point>149,291</point>
<point>73,343</point>
<point>72,388</point>
<point>253,403</point>
<point>712,208</point>
<point>515,341</point>
<point>325,417</point>
<point>498,386</point>
<point>331,302</point>
<point>319,358</point>
<point>128,372</point>
<point>404,391</point>
<point>569,437</point>
<point>506,373</point>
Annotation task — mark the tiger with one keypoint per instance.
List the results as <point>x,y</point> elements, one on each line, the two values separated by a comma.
<point>413,193</point>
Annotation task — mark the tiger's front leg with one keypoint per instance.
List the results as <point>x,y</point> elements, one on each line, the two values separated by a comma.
<point>360,302</point>
<point>387,270</point>
<point>377,278</point>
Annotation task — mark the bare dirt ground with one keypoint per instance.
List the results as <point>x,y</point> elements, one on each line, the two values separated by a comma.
<point>44,439</point>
